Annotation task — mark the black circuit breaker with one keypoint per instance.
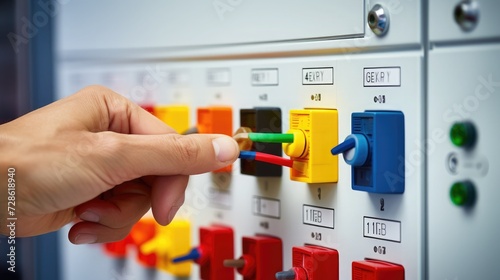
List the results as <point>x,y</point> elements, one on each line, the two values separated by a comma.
<point>263,120</point>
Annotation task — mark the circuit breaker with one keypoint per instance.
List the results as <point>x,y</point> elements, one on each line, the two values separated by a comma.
<point>390,112</point>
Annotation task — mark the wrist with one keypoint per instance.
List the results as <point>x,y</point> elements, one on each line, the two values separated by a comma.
<point>6,148</point>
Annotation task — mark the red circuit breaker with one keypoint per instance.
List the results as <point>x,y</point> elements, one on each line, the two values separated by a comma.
<point>312,263</point>
<point>216,245</point>
<point>377,270</point>
<point>143,231</point>
<point>148,107</point>
<point>262,258</point>
<point>118,249</point>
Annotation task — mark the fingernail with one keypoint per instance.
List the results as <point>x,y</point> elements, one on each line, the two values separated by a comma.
<point>225,148</point>
<point>85,238</point>
<point>90,217</point>
<point>171,214</point>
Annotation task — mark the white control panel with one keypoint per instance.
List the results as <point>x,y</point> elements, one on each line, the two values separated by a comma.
<point>425,212</point>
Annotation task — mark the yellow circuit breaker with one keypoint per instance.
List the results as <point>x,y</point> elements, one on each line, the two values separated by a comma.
<point>171,241</point>
<point>175,116</point>
<point>315,133</point>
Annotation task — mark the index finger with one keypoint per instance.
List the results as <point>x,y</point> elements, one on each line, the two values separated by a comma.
<point>134,156</point>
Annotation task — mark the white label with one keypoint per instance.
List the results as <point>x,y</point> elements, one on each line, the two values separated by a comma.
<point>265,77</point>
<point>382,77</point>
<point>318,216</point>
<point>317,76</point>
<point>220,198</point>
<point>382,229</point>
<point>266,207</point>
<point>219,77</point>
<point>178,78</point>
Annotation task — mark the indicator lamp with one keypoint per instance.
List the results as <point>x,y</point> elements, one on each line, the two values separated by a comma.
<point>463,193</point>
<point>463,134</point>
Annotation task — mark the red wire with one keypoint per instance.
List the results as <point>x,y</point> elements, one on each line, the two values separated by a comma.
<point>273,159</point>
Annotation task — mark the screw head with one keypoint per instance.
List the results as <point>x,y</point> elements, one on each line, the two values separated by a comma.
<point>378,20</point>
<point>466,14</point>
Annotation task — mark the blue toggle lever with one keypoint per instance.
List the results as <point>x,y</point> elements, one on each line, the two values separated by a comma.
<point>348,144</point>
<point>289,274</point>
<point>354,149</point>
<point>194,254</point>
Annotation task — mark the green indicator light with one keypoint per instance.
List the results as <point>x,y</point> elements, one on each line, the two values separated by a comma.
<point>271,137</point>
<point>463,193</point>
<point>463,134</point>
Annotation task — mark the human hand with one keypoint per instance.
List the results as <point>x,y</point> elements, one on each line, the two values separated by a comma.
<point>100,160</point>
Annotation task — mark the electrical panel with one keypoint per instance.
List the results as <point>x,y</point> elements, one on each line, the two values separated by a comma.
<point>391,106</point>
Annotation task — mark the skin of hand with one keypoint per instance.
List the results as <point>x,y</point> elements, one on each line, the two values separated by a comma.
<point>98,159</point>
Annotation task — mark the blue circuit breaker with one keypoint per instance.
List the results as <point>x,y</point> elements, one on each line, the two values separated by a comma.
<point>376,151</point>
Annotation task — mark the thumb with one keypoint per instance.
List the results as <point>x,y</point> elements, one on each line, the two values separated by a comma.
<point>134,156</point>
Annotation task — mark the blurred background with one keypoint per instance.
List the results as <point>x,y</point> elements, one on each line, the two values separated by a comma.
<point>26,83</point>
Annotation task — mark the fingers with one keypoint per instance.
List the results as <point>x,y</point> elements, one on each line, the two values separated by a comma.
<point>110,219</point>
<point>100,109</point>
<point>88,233</point>
<point>167,154</point>
<point>127,117</point>
<point>167,197</point>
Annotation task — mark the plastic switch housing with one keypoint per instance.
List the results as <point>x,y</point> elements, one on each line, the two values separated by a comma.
<point>170,241</point>
<point>377,270</point>
<point>263,120</point>
<point>316,132</point>
<point>376,151</point>
<point>216,245</point>
<point>316,263</point>
<point>312,263</point>
<point>143,231</point>
<point>118,249</point>
<point>177,117</point>
<point>263,257</point>
<point>148,107</point>
<point>217,120</point>
<point>383,171</point>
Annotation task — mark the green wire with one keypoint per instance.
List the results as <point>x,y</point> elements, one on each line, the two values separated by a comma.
<point>271,137</point>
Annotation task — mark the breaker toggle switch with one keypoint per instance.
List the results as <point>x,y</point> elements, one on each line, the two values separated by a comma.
<point>312,263</point>
<point>376,151</point>
<point>262,258</point>
<point>377,270</point>
<point>295,273</point>
<point>216,245</point>
<point>354,149</point>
